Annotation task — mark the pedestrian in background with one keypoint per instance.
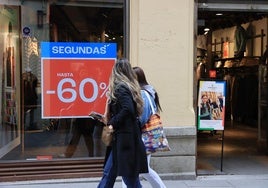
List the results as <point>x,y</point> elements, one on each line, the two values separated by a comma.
<point>152,177</point>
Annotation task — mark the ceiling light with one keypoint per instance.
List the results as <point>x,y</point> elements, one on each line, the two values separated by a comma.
<point>219,14</point>
<point>206,29</point>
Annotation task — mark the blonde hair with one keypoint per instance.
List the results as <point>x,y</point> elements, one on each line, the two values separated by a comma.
<point>123,74</point>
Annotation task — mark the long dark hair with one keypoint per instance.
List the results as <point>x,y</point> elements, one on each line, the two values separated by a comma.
<point>143,82</point>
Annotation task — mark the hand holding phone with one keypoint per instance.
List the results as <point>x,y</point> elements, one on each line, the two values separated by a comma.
<point>96,116</point>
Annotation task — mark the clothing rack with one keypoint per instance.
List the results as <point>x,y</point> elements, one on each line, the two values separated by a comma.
<point>242,92</point>
<point>237,71</point>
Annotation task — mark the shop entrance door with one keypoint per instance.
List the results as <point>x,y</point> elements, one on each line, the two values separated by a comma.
<point>245,149</point>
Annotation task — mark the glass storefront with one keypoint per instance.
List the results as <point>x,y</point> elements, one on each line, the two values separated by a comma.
<point>10,130</point>
<point>24,134</point>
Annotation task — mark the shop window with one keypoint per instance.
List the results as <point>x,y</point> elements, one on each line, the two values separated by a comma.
<point>76,21</point>
<point>10,58</point>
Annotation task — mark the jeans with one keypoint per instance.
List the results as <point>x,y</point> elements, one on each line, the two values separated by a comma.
<point>109,176</point>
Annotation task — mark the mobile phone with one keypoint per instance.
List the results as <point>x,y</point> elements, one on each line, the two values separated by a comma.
<point>96,115</point>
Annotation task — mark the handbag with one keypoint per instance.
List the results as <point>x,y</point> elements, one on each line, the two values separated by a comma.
<point>153,134</point>
<point>107,135</point>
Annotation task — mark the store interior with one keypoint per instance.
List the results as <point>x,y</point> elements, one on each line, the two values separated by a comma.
<point>241,148</point>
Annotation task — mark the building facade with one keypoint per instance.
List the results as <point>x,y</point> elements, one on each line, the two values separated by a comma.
<point>159,36</point>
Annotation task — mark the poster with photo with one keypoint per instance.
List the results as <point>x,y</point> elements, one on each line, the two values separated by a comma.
<point>211,104</point>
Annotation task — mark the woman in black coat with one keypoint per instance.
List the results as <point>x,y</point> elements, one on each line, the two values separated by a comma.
<point>127,156</point>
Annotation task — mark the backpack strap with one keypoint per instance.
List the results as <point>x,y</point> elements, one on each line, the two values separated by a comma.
<point>150,101</point>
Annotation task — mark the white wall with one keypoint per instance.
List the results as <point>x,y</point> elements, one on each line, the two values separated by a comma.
<point>161,42</point>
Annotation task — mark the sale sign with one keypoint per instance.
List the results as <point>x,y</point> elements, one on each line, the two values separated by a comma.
<point>75,78</point>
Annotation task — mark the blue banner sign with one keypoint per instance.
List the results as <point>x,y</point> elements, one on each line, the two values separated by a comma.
<point>78,50</point>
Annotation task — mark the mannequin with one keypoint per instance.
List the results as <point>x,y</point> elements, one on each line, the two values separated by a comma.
<point>30,96</point>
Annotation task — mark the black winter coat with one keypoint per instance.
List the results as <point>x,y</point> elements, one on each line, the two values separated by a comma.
<point>128,148</point>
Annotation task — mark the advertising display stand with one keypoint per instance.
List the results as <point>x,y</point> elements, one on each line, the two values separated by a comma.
<point>211,107</point>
